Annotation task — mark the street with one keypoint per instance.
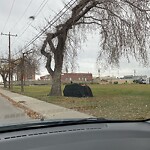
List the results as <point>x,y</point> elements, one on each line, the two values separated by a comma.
<point>10,113</point>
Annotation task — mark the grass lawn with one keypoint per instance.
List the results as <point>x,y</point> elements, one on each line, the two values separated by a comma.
<point>126,101</point>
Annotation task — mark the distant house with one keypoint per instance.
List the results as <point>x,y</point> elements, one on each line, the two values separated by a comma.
<point>135,77</point>
<point>104,79</point>
<point>128,77</point>
<point>74,77</point>
<point>46,77</point>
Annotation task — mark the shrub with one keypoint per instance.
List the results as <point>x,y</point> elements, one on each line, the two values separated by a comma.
<point>116,82</point>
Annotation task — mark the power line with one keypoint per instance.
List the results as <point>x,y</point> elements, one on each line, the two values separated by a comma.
<point>35,15</point>
<point>54,20</point>
<point>42,5</point>
<point>21,17</point>
<point>8,15</point>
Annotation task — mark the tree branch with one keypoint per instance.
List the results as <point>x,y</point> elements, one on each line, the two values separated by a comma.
<point>140,9</point>
<point>91,17</point>
<point>113,14</point>
<point>72,21</point>
<point>92,22</point>
<point>43,52</point>
<point>48,65</point>
<point>48,56</point>
<point>49,40</point>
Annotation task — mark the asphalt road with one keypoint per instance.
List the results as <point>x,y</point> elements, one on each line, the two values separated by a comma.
<point>10,113</point>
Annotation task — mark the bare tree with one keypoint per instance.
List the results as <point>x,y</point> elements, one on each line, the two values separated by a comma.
<point>26,66</point>
<point>4,71</point>
<point>123,27</point>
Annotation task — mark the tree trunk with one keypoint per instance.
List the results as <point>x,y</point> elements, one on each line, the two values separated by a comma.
<point>58,58</point>
<point>56,76</point>
<point>56,84</point>
<point>4,78</point>
<point>5,83</point>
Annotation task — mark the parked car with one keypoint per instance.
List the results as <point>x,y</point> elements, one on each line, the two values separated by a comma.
<point>140,81</point>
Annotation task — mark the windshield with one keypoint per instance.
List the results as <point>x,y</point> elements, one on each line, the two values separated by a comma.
<point>74,59</point>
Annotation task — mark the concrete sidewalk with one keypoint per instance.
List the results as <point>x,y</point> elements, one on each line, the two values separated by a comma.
<point>37,109</point>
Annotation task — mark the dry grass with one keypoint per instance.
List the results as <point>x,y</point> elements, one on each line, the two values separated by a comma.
<point>109,101</point>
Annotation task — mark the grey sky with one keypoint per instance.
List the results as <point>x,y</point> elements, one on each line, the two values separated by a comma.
<point>19,21</point>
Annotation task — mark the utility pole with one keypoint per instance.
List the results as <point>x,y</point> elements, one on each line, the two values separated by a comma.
<point>9,57</point>
<point>22,72</point>
<point>99,74</point>
<point>134,73</point>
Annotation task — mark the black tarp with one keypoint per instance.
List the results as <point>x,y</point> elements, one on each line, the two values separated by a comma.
<point>77,90</point>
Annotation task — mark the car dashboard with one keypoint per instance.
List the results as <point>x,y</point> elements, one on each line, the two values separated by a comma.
<point>95,136</point>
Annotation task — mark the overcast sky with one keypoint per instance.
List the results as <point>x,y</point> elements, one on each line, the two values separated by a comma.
<point>14,16</point>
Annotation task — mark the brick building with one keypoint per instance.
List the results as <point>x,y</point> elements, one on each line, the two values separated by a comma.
<point>74,77</point>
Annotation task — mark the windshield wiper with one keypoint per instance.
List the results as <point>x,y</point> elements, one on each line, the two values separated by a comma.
<point>44,124</point>
<point>56,123</point>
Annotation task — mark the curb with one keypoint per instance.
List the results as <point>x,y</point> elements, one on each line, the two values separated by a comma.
<point>31,113</point>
